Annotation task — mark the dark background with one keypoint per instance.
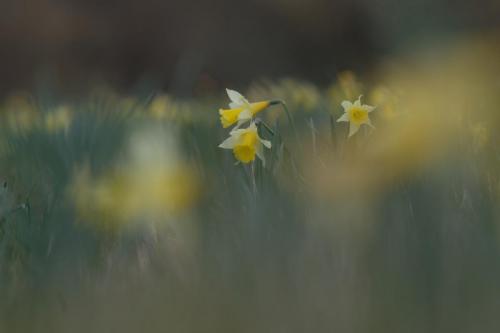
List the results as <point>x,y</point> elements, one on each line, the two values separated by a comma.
<point>186,46</point>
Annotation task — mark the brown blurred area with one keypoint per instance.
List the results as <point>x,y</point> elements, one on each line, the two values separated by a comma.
<point>186,46</point>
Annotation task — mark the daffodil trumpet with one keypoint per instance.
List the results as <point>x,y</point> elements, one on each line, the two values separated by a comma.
<point>356,114</point>
<point>246,144</point>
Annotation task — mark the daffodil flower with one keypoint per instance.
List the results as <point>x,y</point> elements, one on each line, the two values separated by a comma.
<point>356,114</point>
<point>240,109</point>
<point>246,143</point>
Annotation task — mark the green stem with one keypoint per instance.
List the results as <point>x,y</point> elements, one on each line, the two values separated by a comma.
<point>332,130</point>
<point>266,126</point>
<point>254,182</point>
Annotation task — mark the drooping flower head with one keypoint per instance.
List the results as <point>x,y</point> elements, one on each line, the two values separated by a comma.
<point>246,144</point>
<point>240,109</point>
<point>356,114</point>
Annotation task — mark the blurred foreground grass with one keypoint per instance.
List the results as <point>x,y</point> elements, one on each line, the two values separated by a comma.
<point>120,214</point>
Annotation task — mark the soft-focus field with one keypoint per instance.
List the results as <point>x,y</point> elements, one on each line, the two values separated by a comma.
<point>121,214</point>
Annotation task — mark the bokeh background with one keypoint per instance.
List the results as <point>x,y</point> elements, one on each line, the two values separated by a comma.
<point>119,213</point>
<point>191,46</point>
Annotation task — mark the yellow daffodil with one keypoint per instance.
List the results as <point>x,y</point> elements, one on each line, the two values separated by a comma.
<point>356,114</point>
<point>240,109</point>
<point>246,143</point>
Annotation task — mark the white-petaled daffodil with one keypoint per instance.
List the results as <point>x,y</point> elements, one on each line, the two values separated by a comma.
<point>240,109</point>
<point>246,144</point>
<point>356,114</point>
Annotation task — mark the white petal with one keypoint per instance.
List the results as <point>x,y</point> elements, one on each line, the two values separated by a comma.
<point>245,114</point>
<point>344,117</point>
<point>358,101</point>
<point>236,97</point>
<point>233,105</point>
<point>369,108</point>
<point>266,143</point>
<point>353,128</point>
<point>346,105</point>
<point>237,127</point>
<point>252,127</point>
<point>236,131</point>
<point>229,143</point>
<point>369,123</point>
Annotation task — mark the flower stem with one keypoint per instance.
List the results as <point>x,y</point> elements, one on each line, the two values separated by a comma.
<point>254,183</point>
<point>266,126</point>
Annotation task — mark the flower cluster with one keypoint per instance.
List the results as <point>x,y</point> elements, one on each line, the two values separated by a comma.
<point>245,143</point>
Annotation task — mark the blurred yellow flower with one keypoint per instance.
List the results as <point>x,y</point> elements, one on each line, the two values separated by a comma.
<point>152,185</point>
<point>165,107</point>
<point>246,143</point>
<point>347,87</point>
<point>240,109</point>
<point>20,113</point>
<point>386,101</point>
<point>160,107</point>
<point>356,114</point>
<point>58,119</point>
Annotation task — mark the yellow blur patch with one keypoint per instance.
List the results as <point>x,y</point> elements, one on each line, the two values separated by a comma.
<point>58,120</point>
<point>152,186</point>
